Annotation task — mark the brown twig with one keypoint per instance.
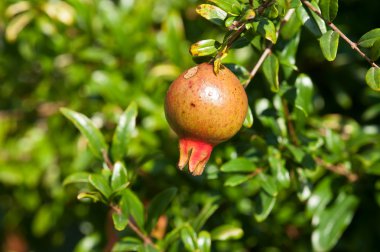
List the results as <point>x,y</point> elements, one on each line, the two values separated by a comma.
<point>136,229</point>
<point>268,49</point>
<point>256,172</point>
<point>107,159</point>
<point>339,169</point>
<point>353,45</point>
<point>292,132</point>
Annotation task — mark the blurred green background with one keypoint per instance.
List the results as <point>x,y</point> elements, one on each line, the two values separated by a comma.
<point>96,57</point>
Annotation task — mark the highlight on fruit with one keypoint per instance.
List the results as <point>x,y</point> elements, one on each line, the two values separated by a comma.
<point>204,109</point>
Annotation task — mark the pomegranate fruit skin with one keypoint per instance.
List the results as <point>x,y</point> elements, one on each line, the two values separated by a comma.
<point>204,109</point>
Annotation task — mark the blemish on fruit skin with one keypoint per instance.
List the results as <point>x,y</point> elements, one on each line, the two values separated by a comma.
<point>191,72</point>
<point>192,104</point>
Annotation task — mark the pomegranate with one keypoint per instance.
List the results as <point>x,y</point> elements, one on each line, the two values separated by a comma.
<point>204,109</point>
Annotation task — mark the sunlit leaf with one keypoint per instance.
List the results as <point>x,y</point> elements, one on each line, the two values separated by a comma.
<point>227,232</point>
<point>189,238</point>
<point>238,165</point>
<point>95,139</point>
<point>369,38</point>
<point>266,28</point>
<point>311,20</point>
<point>127,244</point>
<point>271,70</point>
<point>79,177</point>
<point>212,13</point>
<point>119,179</point>
<point>204,241</point>
<point>230,6</point>
<point>101,184</point>
<point>204,48</point>
<point>372,78</point>
<point>333,221</point>
<point>134,207</point>
<point>248,121</point>
<point>305,92</point>
<point>329,44</point>
<point>329,9</point>
<point>236,180</point>
<point>264,204</point>
<point>277,166</point>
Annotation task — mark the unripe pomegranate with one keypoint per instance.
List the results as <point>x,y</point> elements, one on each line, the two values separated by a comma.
<point>204,109</point>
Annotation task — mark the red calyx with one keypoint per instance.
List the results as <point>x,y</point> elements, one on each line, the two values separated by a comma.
<point>196,153</point>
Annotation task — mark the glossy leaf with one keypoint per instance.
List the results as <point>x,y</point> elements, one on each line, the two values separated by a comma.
<point>372,78</point>
<point>123,132</point>
<point>266,29</point>
<point>277,166</point>
<point>227,232</point>
<point>94,196</point>
<point>101,184</point>
<point>238,165</point>
<point>375,50</point>
<point>120,216</point>
<point>230,6</point>
<point>95,139</point>
<point>158,205</point>
<point>303,185</point>
<point>369,38</point>
<point>205,47</point>
<point>17,24</point>
<point>329,9</point>
<point>264,204</point>
<point>312,22</point>
<point>329,44</point>
<point>291,28</point>
<point>134,206</point>
<point>305,92</point>
<point>320,197</point>
<point>236,180</point>
<point>79,177</point>
<point>204,241</point>
<point>271,70</point>
<point>212,13</point>
<point>333,222</point>
<point>119,179</point>
<point>248,121</point>
<point>189,238</point>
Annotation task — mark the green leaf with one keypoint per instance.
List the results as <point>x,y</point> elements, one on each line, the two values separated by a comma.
<point>277,166</point>
<point>369,38</point>
<point>119,179</point>
<point>95,139</point>
<point>266,29</point>
<point>94,196</point>
<point>329,9</point>
<point>319,199</point>
<point>88,243</point>
<point>212,13</point>
<point>204,241</point>
<point>240,71</point>
<point>248,121</point>
<point>207,211</point>
<point>264,204</point>
<point>43,220</point>
<point>236,180</point>
<point>295,3</point>
<point>291,28</point>
<point>101,184</point>
<point>372,78</point>
<point>230,6</point>
<point>238,165</point>
<point>312,22</point>
<point>79,177</point>
<point>120,216</point>
<point>271,69</point>
<point>189,238</point>
<point>303,185</point>
<point>268,184</point>
<point>333,221</point>
<point>134,206</point>
<point>375,50</point>
<point>204,48</point>
<point>227,232</point>
<point>329,44</point>
<point>123,132</point>
<point>158,205</point>
<point>305,93</point>
<point>127,244</point>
